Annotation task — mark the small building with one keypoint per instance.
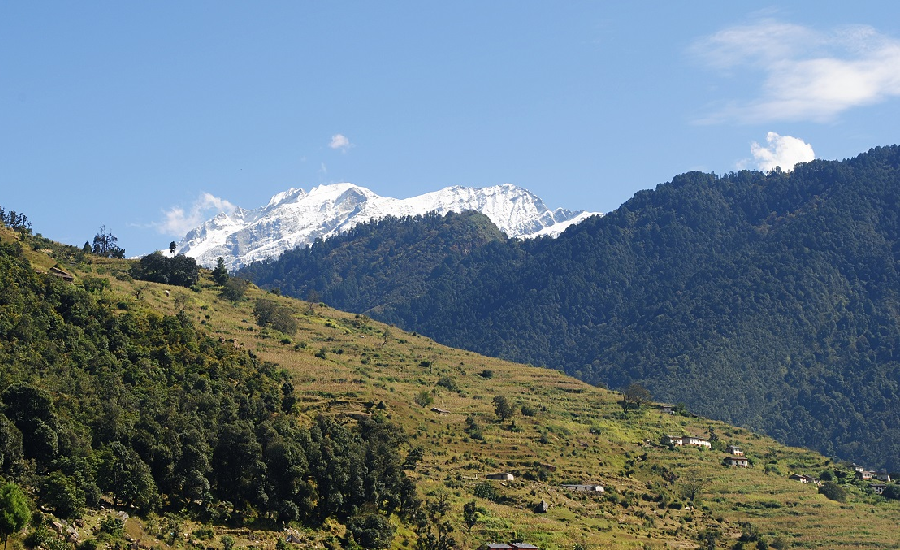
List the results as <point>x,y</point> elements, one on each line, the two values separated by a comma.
<point>665,409</point>
<point>696,441</point>
<point>878,488</point>
<point>882,475</point>
<point>864,475</point>
<point>503,476</point>
<point>68,277</point>
<point>511,546</point>
<point>542,508</point>
<point>734,450</point>
<point>687,440</point>
<point>497,546</point>
<point>583,488</point>
<point>802,478</point>
<point>673,440</point>
<point>737,461</point>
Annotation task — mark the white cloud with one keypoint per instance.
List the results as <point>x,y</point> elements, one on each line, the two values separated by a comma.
<point>807,74</point>
<point>782,151</point>
<point>179,222</point>
<point>339,141</point>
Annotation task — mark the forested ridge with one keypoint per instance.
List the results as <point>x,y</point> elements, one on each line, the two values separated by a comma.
<point>766,300</point>
<point>101,395</point>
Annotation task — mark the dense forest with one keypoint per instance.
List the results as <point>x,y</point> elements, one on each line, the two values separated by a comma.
<point>766,300</point>
<point>102,397</point>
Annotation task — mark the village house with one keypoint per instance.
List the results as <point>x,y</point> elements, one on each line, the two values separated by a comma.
<point>511,546</point>
<point>734,450</point>
<point>882,475</point>
<point>737,461</point>
<point>68,277</point>
<point>687,440</point>
<point>802,478</point>
<point>878,488</point>
<point>864,475</point>
<point>504,476</point>
<point>583,488</point>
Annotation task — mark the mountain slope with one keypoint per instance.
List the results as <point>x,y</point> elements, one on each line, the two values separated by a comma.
<point>780,289</point>
<point>297,218</point>
<point>341,377</point>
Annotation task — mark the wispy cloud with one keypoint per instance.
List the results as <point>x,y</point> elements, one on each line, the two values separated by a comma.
<point>808,75</point>
<point>780,151</point>
<point>339,142</point>
<point>179,221</point>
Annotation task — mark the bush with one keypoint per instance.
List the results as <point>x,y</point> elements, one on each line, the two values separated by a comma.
<point>891,492</point>
<point>423,398</point>
<point>234,289</point>
<point>112,527</point>
<point>448,383</point>
<point>833,491</point>
<point>487,491</point>
<point>473,429</point>
<point>271,314</point>
<point>371,530</point>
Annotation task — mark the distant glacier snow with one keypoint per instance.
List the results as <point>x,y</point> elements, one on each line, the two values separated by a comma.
<point>297,218</point>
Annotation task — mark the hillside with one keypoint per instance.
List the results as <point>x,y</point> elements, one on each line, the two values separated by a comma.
<point>343,372</point>
<point>780,287</point>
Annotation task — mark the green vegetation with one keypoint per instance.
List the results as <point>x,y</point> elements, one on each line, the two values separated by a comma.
<point>193,427</point>
<point>766,300</point>
<point>14,511</point>
<point>178,270</point>
<point>154,413</point>
<point>105,244</point>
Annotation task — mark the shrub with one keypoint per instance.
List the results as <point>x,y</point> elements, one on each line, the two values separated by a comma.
<point>423,398</point>
<point>891,492</point>
<point>448,383</point>
<point>833,491</point>
<point>234,289</point>
<point>112,527</point>
<point>371,530</point>
<point>486,491</point>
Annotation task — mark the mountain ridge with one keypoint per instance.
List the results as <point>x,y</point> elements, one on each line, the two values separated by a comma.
<point>779,286</point>
<point>295,218</point>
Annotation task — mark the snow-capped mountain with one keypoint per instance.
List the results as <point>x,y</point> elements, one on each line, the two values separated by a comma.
<point>297,218</point>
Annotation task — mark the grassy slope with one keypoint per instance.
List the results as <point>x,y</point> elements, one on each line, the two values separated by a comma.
<point>579,431</point>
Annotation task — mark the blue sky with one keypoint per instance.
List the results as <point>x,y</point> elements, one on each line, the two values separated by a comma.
<point>146,117</point>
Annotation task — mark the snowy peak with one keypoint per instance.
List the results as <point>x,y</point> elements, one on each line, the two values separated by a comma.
<point>296,218</point>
